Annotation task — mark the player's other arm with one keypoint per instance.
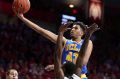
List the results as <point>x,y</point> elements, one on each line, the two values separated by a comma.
<point>47,34</point>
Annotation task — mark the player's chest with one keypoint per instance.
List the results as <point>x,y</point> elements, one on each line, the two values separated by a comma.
<point>72,47</point>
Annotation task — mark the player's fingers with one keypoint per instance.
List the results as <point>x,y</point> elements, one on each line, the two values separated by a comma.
<point>65,25</point>
<point>97,29</point>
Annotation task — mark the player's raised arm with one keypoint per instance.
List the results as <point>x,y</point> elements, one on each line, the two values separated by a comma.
<point>47,34</point>
<point>82,54</point>
<point>20,7</point>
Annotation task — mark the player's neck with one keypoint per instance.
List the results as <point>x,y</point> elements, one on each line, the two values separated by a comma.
<point>77,39</point>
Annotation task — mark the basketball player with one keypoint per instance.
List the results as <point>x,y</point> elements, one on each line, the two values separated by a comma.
<point>70,46</point>
<point>12,74</point>
<point>69,70</point>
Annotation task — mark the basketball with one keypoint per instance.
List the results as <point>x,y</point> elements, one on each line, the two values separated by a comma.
<point>21,6</point>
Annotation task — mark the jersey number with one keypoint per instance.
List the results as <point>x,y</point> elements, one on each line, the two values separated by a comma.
<point>72,57</point>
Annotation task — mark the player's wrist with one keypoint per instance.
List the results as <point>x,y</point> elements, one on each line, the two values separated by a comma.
<point>61,33</point>
<point>20,16</point>
<point>88,35</point>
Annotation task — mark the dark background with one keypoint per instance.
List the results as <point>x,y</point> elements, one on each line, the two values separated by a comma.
<point>18,43</point>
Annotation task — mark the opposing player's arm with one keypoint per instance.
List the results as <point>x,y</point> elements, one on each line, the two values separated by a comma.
<point>81,56</point>
<point>90,31</point>
<point>57,58</point>
<point>86,49</point>
<point>58,54</point>
<point>87,53</point>
<point>47,34</point>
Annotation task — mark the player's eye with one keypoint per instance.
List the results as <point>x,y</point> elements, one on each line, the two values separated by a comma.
<point>76,28</point>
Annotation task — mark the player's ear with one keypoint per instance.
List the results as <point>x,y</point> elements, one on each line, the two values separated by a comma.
<point>82,33</point>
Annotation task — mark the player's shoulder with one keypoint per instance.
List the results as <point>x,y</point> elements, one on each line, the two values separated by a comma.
<point>65,40</point>
<point>65,78</point>
<point>75,76</point>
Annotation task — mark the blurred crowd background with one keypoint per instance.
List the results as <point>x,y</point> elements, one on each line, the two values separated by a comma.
<point>28,52</point>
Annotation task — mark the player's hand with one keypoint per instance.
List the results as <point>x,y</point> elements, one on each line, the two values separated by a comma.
<point>49,67</point>
<point>64,26</point>
<point>20,15</point>
<point>90,30</point>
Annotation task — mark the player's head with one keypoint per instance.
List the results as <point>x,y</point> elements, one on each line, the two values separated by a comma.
<point>68,69</point>
<point>12,74</point>
<point>78,29</point>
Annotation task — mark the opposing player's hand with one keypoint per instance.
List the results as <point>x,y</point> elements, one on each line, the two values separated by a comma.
<point>64,26</point>
<point>90,30</point>
<point>49,67</point>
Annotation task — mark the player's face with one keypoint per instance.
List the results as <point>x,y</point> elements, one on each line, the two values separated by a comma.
<point>76,31</point>
<point>13,74</point>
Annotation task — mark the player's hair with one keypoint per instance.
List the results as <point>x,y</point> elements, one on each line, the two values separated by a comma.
<point>8,71</point>
<point>68,69</point>
<point>81,24</point>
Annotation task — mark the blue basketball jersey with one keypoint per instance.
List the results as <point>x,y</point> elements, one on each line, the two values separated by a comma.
<point>70,51</point>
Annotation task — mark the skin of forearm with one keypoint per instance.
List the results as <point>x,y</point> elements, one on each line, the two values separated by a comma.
<point>57,59</point>
<point>47,34</point>
<point>58,52</point>
<point>80,61</point>
<point>59,46</point>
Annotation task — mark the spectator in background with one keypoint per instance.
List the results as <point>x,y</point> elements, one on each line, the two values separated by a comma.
<point>12,74</point>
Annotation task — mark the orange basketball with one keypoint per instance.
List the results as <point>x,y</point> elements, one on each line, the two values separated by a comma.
<point>21,6</point>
